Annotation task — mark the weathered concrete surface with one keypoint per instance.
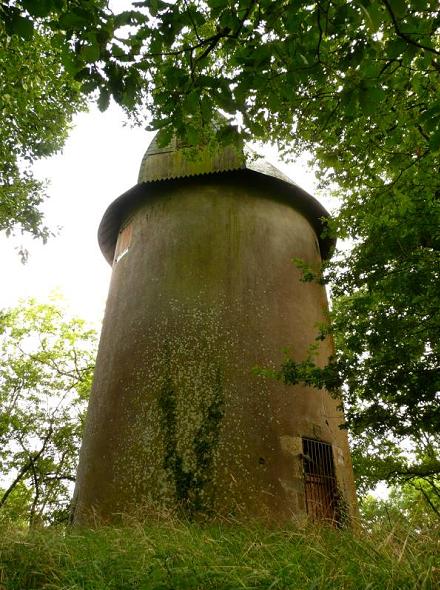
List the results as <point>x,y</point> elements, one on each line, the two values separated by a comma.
<point>207,291</point>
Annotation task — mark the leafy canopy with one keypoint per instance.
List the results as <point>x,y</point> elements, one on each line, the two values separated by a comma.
<point>46,369</point>
<point>37,101</point>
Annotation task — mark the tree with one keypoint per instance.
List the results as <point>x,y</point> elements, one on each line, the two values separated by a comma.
<point>37,101</point>
<point>409,507</point>
<point>356,82</point>
<point>45,376</point>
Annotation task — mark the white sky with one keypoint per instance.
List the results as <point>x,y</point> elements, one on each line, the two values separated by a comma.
<point>100,161</point>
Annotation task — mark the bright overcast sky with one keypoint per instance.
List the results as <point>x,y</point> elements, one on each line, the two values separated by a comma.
<point>100,161</point>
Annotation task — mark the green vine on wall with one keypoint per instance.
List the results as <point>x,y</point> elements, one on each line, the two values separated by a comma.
<point>190,485</point>
<point>206,440</point>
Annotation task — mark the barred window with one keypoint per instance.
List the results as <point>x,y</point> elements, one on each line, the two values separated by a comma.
<point>321,490</point>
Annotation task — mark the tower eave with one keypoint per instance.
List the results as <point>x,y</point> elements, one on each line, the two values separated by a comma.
<point>278,186</point>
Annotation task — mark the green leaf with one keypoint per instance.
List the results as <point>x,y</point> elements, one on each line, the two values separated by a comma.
<point>395,48</point>
<point>434,140</point>
<point>373,16</point>
<point>191,102</point>
<point>225,99</point>
<point>22,27</point>
<point>165,135</point>
<point>293,21</point>
<point>217,3</point>
<point>130,88</point>
<point>89,85</point>
<point>70,61</point>
<point>399,7</point>
<point>206,108</point>
<point>57,41</point>
<point>38,8</point>
<point>229,20</point>
<point>226,134</point>
<point>90,53</point>
<point>431,114</point>
<point>82,74</point>
<point>128,17</point>
<point>118,52</point>
<point>153,7</point>
<point>103,100</point>
<point>156,45</point>
<point>370,99</point>
<point>341,14</point>
<point>72,20</point>
<point>33,405</point>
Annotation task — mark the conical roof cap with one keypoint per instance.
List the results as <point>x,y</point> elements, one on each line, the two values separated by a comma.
<point>174,161</point>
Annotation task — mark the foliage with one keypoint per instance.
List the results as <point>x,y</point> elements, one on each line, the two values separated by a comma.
<point>37,101</point>
<point>172,554</point>
<point>405,508</point>
<point>412,462</point>
<point>45,376</point>
<point>306,73</point>
<point>386,367</point>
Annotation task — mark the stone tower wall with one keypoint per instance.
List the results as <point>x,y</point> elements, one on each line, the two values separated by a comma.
<point>203,290</point>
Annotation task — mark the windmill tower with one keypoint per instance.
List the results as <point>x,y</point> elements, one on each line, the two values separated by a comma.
<point>203,290</point>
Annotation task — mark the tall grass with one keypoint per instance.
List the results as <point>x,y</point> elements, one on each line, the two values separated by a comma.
<point>178,555</point>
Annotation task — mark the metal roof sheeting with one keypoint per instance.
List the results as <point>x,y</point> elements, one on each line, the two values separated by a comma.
<point>171,161</point>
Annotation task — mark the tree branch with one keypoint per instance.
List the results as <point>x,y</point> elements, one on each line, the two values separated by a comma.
<point>404,36</point>
<point>192,21</point>
<point>428,500</point>
<point>26,467</point>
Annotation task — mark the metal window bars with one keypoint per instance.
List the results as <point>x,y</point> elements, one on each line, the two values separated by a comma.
<point>321,489</point>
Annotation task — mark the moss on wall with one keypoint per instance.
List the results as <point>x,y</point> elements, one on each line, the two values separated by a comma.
<point>191,484</point>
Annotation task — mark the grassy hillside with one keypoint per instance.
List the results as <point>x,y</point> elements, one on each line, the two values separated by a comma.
<point>176,555</point>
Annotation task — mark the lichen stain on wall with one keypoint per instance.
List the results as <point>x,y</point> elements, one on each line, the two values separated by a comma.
<point>171,449</point>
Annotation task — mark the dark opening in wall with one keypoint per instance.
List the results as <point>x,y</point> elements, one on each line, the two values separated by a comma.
<point>124,242</point>
<point>321,490</point>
